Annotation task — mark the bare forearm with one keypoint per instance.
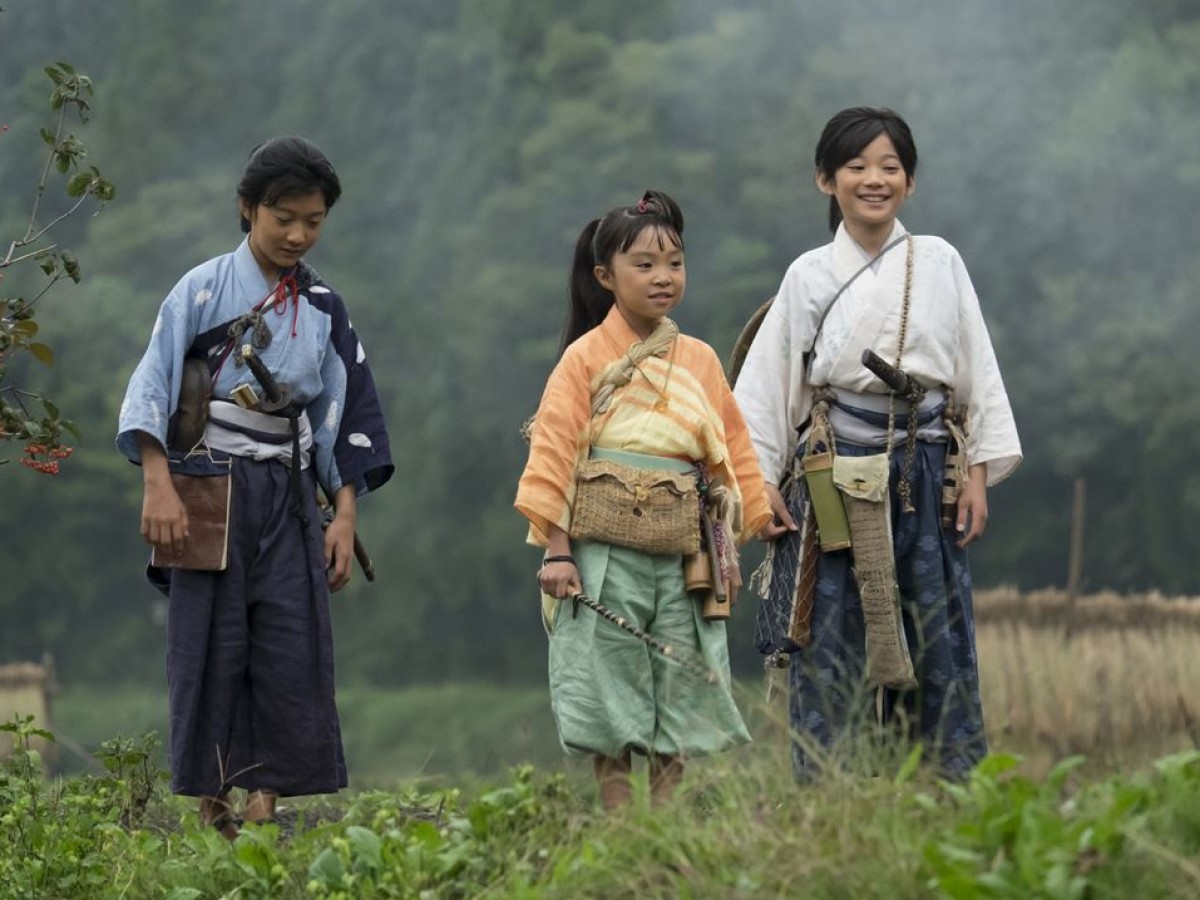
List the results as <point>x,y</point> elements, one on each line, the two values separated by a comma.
<point>155,470</point>
<point>164,519</point>
<point>559,579</point>
<point>560,542</point>
<point>345,503</point>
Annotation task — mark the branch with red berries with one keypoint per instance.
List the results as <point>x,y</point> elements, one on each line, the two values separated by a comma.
<point>19,422</point>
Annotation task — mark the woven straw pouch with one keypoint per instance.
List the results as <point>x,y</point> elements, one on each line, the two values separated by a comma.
<point>651,510</point>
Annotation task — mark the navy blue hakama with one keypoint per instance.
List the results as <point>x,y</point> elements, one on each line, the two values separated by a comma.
<point>250,652</point>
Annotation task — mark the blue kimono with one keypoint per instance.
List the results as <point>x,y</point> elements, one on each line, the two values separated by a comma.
<point>250,648</point>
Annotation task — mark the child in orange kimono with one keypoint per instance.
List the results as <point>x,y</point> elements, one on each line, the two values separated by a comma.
<point>667,405</point>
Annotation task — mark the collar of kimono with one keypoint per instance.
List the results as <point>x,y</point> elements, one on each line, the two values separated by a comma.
<point>620,371</point>
<point>849,256</point>
<point>285,290</point>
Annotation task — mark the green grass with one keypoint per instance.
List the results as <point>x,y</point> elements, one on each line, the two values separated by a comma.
<point>446,731</point>
<point>462,791</point>
<point>739,829</point>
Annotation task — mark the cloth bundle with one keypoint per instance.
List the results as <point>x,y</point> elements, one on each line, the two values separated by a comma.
<point>863,482</point>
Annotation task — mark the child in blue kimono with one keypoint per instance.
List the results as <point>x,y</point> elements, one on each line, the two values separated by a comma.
<point>250,647</point>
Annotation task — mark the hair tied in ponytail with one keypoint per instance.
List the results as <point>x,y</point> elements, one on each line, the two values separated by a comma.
<point>603,238</point>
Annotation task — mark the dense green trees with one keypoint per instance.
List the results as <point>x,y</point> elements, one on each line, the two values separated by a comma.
<point>475,138</point>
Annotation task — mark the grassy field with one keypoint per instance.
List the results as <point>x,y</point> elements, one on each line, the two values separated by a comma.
<point>740,829</point>
<point>1114,678</point>
<point>1093,790</point>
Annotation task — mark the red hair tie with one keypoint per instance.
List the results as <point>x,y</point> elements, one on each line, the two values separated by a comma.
<point>643,206</point>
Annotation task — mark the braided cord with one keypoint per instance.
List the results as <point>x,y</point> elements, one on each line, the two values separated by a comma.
<point>914,396</point>
<point>904,488</point>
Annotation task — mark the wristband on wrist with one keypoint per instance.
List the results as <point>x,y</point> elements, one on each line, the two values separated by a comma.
<point>553,559</point>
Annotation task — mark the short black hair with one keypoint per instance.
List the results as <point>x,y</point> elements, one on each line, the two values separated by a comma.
<point>848,132</point>
<point>284,167</point>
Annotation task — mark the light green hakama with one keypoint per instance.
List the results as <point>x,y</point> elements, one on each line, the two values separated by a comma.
<point>609,691</point>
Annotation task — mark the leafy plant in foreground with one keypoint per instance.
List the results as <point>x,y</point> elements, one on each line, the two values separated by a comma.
<point>395,847</point>
<point>1017,837</point>
<point>53,834</point>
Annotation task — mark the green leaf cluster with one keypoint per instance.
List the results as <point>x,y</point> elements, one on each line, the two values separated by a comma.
<point>60,838</point>
<point>18,423</point>
<point>1016,837</point>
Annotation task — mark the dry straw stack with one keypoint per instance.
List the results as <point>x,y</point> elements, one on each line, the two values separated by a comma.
<point>1115,677</point>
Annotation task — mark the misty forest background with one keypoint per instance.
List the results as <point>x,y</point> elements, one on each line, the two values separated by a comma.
<point>474,138</point>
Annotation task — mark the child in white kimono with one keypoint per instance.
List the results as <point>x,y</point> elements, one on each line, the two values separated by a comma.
<point>908,298</point>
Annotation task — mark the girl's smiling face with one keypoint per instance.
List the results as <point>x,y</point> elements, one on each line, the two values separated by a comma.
<point>647,280</point>
<point>282,232</point>
<point>870,188</point>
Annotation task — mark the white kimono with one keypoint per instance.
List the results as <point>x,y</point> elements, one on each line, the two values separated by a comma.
<point>947,344</point>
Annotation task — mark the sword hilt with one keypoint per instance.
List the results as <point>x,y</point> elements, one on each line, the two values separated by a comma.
<point>278,394</point>
<point>896,379</point>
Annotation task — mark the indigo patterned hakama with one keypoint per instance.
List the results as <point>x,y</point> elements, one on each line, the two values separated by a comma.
<point>831,705</point>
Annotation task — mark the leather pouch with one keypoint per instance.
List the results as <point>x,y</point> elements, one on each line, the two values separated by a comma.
<point>204,484</point>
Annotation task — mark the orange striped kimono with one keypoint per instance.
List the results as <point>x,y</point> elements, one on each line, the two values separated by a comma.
<point>679,406</point>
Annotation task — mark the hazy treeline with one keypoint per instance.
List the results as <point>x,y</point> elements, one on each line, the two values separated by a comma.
<point>474,138</point>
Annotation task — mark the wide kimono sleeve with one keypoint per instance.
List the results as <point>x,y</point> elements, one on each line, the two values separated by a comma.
<point>558,438</point>
<point>756,509</point>
<point>350,439</point>
<point>991,430</point>
<point>771,389</point>
<point>153,390</point>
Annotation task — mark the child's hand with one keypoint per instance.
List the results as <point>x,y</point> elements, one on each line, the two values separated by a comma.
<point>339,551</point>
<point>972,506</point>
<point>560,579</point>
<point>782,521</point>
<point>164,519</point>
